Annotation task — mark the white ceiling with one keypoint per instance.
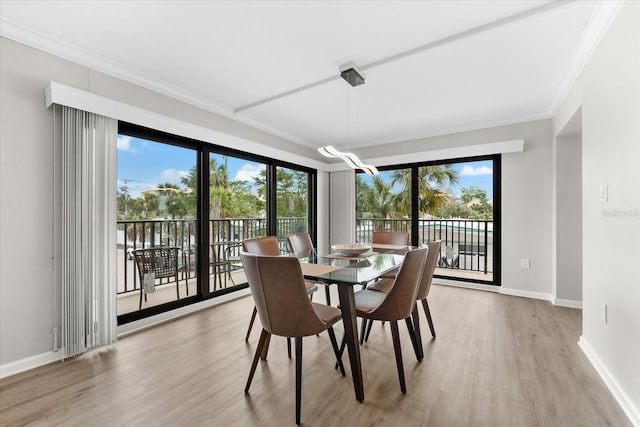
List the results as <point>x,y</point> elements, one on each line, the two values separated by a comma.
<point>474,64</point>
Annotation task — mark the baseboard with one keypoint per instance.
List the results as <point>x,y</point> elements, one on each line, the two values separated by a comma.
<point>28,363</point>
<point>566,303</point>
<point>32,362</point>
<point>147,322</point>
<point>467,285</point>
<point>618,393</point>
<point>526,294</point>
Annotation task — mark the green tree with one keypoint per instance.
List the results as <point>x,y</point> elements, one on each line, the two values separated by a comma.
<point>430,179</point>
<point>379,201</point>
<point>476,199</point>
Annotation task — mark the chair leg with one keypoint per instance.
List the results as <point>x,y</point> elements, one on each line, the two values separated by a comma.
<point>412,335</point>
<point>253,318</point>
<point>256,357</point>
<point>363,330</point>
<point>427,312</point>
<point>336,350</point>
<point>416,326</point>
<point>265,348</point>
<point>327,294</point>
<point>145,298</point>
<point>369,325</point>
<point>343,344</point>
<point>298,377</point>
<point>289,347</point>
<point>396,347</point>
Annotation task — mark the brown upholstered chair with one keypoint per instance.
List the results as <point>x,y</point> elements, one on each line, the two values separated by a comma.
<point>385,286</point>
<point>268,245</point>
<point>301,246</point>
<point>390,238</point>
<point>396,305</point>
<point>279,291</point>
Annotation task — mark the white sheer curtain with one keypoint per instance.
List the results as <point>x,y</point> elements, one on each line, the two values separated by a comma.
<point>88,231</point>
<point>342,207</point>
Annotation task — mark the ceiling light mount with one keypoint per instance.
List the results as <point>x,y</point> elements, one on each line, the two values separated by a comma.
<point>351,73</point>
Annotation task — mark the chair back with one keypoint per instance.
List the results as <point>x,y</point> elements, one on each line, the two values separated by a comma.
<point>429,267</point>
<point>162,261</point>
<point>390,237</point>
<point>300,244</point>
<point>399,302</point>
<point>280,295</point>
<point>262,246</point>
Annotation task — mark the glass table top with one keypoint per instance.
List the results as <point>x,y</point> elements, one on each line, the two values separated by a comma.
<point>356,271</point>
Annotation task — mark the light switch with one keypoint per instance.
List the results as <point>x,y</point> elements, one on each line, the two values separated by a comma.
<point>524,263</point>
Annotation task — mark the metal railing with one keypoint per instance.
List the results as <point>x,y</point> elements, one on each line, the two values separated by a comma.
<point>466,244</point>
<point>225,236</point>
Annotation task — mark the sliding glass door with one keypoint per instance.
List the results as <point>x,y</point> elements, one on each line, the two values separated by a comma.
<point>156,206</point>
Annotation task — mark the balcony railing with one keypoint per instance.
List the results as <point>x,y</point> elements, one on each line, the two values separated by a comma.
<point>225,236</point>
<point>467,245</point>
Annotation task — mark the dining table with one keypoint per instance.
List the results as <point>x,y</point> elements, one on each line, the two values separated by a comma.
<point>347,272</point>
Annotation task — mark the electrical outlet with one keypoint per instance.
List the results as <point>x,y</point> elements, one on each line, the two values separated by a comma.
<point>524,263</point>
<point>604,313</point>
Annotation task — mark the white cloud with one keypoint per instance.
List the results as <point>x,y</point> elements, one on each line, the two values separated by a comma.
<point>173,175</point>
<point>471,171</point>
<point>124,143</point>
<point>247,172</point>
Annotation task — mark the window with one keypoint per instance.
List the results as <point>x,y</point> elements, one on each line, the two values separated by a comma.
<point>455,201</point>
<point>204,200</point>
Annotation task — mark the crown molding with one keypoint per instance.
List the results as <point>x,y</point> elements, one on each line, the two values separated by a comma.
<point>21,34</point>
<point>597,26</point>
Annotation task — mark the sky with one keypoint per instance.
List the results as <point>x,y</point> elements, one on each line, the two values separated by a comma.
<point>144,164</point>
<point>478,174</point>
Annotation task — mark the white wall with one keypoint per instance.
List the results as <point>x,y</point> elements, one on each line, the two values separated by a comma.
<point>29,299</point>
<point>526,198</point>
<point>569,218</point>
<point>608,91</point>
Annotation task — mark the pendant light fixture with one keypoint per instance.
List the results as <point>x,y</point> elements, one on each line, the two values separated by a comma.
<point>351,75</point>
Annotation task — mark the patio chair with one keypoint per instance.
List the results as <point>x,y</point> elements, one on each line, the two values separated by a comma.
<point>280,294</point>
<point>161,262</point>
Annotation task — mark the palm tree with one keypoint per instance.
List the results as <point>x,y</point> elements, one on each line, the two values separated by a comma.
<point>430,198</point>
<point>379,200</point>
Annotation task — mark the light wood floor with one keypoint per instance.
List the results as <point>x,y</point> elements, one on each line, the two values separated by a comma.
<point>497,361</point>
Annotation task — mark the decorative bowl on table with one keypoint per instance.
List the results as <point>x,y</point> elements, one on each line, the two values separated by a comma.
<point>351,249</point>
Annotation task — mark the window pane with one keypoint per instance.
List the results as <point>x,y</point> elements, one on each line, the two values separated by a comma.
<point>237,199</point>
<point>383,203</point>
<point>456,207</point>
<point>156,206</point>
<point>292,208</point>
